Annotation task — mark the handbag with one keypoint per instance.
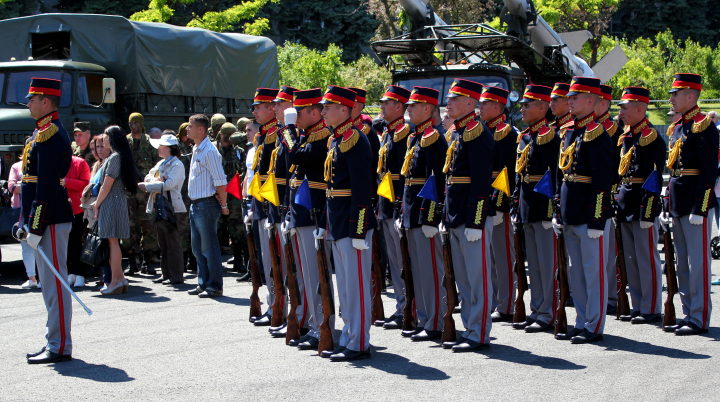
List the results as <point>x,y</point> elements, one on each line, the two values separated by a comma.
<point>96,250</point>
<point>164,212</point>
<point>8,218</point>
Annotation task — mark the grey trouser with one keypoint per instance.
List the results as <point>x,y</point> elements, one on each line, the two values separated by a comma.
<point>306,258</point>
<point>353,274</point>
<point>392,243</point>
<point>267,265</point>
<point>610,267</point>
<point>588,280</point>
<point>472,275</point>
<point>427,271</point>
<point>540,244</point>
<point>58,301</point>
<point>642,263</point>
<point>302,307</point>
<point>692,244</point>
<point>502,257</point>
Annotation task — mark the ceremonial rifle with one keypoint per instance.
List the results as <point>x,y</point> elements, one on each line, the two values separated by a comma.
<point>448,334</point>
<point>255,310</point>
<point>670,276</point>
<point>522,282</point>
<point>378,313</point>
<point>408,312</point>
<point>276,273</point>
<point>325,290</point>
<point>293,329</point>
<point>623,306</point>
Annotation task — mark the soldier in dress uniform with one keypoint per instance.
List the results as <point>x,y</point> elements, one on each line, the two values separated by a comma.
<point>537,153</point>
<point>390,161</point>
<point>264,112</point>
<point>559,106</point>
<point>350,221</point>
<point>602,111</point>
<point>185,144</point>
<point>307,152</point>
<point>467,214</point>
<point>584,183</point>
<point>693,161</point>
<point>643,152</point>
<point>369,132</point>
<point>424,158</point>
<point>502,255</point>
<point>47,214</point>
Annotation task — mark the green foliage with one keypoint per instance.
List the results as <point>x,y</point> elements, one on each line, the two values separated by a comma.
<point>17,8</point>
<point>158,11</point>
<point>305,68</point>
<point>124,8</point>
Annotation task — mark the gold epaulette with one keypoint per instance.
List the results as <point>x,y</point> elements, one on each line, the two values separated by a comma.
<point>501,131</point>
<point>701,121</point>
<point>401,133</point>
<point>592,131</point>
<point>365,129</point>
<point>647,136</point>
<point>671,128</point>
<point>545,135</point>
<point>611,127</point>
<point>319,135</point>
<point>47,133</point>
<point>429,137</point>
<point>473,129</point>
<point>288,138</point>
<point>349,139</point>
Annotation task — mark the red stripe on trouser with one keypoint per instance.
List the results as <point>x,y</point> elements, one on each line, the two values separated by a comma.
<point>297,252</point>
<point>485,290</point>
<point>603,282</point>
<point>706,275</point>
<point>61,310</point>
<point>277,240</point>
<point>362,301</point>
<point>652,270</point>
<point>555,282</point>
<point>437,284</point>
<point>511,282</point>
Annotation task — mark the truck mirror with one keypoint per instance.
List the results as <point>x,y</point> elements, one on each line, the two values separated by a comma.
<point>514,96</point>
<point>109,90</point>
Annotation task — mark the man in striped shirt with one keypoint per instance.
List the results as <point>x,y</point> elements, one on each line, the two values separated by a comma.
<point>206,189</point>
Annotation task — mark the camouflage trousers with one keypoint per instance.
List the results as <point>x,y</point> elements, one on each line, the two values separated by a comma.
<point>143,237</point>
<point>233,225</point>
<point>183,221</point>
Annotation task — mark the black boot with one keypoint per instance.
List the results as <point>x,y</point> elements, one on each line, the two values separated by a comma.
<point>246,274</point>
<point>239,265</point>
<point>145,268</point>
<point>132,268</point>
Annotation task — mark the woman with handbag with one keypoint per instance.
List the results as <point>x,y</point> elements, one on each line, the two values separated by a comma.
<point>164,182</point>
<point>100,149</point>
<point>111,205</point>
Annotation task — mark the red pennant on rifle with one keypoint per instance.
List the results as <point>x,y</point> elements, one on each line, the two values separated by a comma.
<point>235,187</point>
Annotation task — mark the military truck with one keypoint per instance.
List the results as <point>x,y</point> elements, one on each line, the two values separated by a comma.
<point>111,67</point>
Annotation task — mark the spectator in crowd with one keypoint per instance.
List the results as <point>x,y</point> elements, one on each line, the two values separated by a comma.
<point>155,133</point>
<point>206,189</point>
<point>673,117</point>
<point>447,121</point>
<point>118,175</point>
<point>166,178</point>
<point>715,118</point>
<point>28,254</point>
<point>101,151</point>
<point>171,132</point>
<point>242,124</point>
<point>185,144</point>
<point>438,122</point>
<point>81,146</point>
<point>75,182</point>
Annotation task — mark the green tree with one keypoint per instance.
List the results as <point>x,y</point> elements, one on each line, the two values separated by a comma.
<point>17,8</point>
<point>124,8</point>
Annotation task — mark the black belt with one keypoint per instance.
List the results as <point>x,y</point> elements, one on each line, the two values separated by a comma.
<point>199,200</point>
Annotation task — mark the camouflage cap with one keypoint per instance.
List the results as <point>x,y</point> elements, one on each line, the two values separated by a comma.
<point>217,119</point>
<point>242,123</point>
<point>82,126</point>
<point>182,131</point>
<point>227,130</point>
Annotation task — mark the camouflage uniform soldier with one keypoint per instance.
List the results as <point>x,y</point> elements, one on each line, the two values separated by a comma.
<point>142,230</point>
<point>185,144</point>
<point>216,122</point>
<point>82,128</point>
<point>232,162</point>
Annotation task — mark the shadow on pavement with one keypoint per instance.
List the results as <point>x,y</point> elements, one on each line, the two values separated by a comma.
<point>513,355</point>
<point>399,365</point>
<point>96,372</point>
<point>231,300</point>
<point>614,342</point>
<point>137,294</point>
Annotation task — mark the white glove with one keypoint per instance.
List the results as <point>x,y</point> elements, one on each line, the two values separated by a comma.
<point>442,228</point>
<point>429,231</point>
<point>248,218</point>
<point>319,235</point>
<point>285,227</point>
<point>498,218</point>
<point>398,225</point>
<point>696,220</point>
<point>665,220</point>
<point>290,116</point>
<point>557,227</point>
<point>33,240</point>
<point>360,244</point>
<point>547,225</point>
<point>594,233</point>
<point>267,225</point>
<point>645,225</point>
<point>473,235</point>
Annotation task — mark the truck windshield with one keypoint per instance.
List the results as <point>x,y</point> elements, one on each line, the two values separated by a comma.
<point>19,82</point>
<point>443,83</point>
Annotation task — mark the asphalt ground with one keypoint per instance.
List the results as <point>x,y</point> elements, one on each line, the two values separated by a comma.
<point>157,343</point>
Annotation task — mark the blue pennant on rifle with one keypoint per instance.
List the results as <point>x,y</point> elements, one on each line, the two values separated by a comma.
<point>302,197</point>
<point>429,191</point>
<point>544,186</point>
<point>652,184</point>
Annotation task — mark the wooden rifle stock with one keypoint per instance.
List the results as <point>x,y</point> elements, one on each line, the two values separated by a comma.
<point>623,306</point>
<point>448,334</point>
<point>293,329</point>
<point>522,286</point>
<point>408,312</point>
<point>561,325</point>
<point>255,310</point>
<point>670,276</point>
<point>277,308</point>
<point>378,313</point>
<point>326,294</point>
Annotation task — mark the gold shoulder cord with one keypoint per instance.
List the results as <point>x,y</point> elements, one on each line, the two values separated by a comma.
<point>273,160</point>
<point>449,156</point>
<point>566,157</point>
<point>328,164</point>
<point>674,152</point>
<point>522,160</point>
<point>625,161</point>
<point>409,155</point>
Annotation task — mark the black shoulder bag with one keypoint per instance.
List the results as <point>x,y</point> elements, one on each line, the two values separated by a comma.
<point>96,251</point>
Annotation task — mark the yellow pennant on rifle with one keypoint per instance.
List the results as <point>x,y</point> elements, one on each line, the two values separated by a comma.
<point>254,188</point>
<point>385,189</point>
<point>269,190</point>
<point>502,182</point>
